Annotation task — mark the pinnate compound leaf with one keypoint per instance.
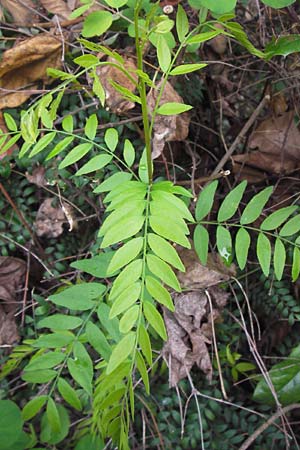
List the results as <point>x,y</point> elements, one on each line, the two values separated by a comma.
<point>159,293</point>
<point>263,250</point>
<point>126,299</point>
<point>33,407</point>
<point>296,264</point>
<point>163,271</point>
<point>285,379</point>
<point>127,227</point>
<point>279,258</point>
<point>256,205</point>
<point>173,108</point>
<point>96,23</point>
<point>155,319</point>
<point>75,155</point>
<point>53,416</point>
<point>277,218</point>
<point>79,297</point>
<point>291,227</point>
<point>114,180</point>
<point>186,68</point>
<point>201,240</point>
<point>231,202</point>
<point>205,200</point>
<point>164,250</point>
<point>96,163</point>
<point>242,244</point>
<point>129,319</point>
<point>182,23</point>
<point>145,344</point>
<point>60,322</point>
<point>69,394</point>
<point>126,254</point>
<point>98,340</point>
<point>121,352</point>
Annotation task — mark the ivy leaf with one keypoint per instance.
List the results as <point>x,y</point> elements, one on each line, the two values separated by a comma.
<point>201,240</point>
<point>263,250</point>
<point>277,218</point>
<point>155,320</point>
<point>126,299</point>
<point>96,163</point>
<point>173,108</point>
<point>96,23</point>
<point>33,407</point>
<point>254,208</point>
<point>231,202</point>
<point>53,416</point>
<point>69,394</point>
<point>182,23</point>
<point>75,155</point>
<point>279,258</point>
<point>163,271</point>
<point>121,352</point>
<point>242,244</point>
<point>159,293</point>
<point>164,250</point>
<point>126,254</point>
<point>205,200</point>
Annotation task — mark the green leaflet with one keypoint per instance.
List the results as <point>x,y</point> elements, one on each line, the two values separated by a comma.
<point>141,366</point>
<point>75,155</point>
<point>10,122</point>
<point>96,23</point>
<point>96,266</point>
<point>80,374</point>
<point>159,293</point>
<point>98,340</point>
<point>126,254</point>
<point>205,200</point>
<point>90,129</point>
<point>224,243</point>
<point>163,55</point>
<point>231,202</point>
<point>69,394</point>
<point>168,186</point>
<point>96,163</point>
<point>60,322</point>
<point>54,340</point>
<point>296,264</point>
<point>62,145</point>
<point>126,299</point>
<point>203,37</point>
<point>186,68</point>
<point>33,407</point>
<point>45,361</point>
<point>219,7</point>
<point>135,207</point>
<point>201,240</point>
<point>263,250</point>
<point>128,276</point>
<point>124,229</point>
<point>173,108</point>
<point>291,227</point>
<point>182,23</point>
<point>161,226</point>
<point>171,199</point>
<point>111,139</point>
<point>129,319</point>
<point>47,434</point>
<point>128,186</point>
<point>114,180</point>
<point>155,320</point>
<point>278,3</point>
<point>164,250</point>
<point>277,218</point>
<point>111,325</point>
<point>121,352</point>
<point>256,205</point>
<point>128,153</point>
<point>79,297</point>
<point>68,124</point>
<point>42,143</point>
<point>279,258</point>
<point>163,271</point>
<point>242,244</point>
<point>53,416</point>
<point>145,344</point>
<point>39,376</point>
<point>11,424</point>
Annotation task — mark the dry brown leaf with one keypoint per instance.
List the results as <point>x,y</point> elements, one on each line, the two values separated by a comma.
<point>49,220</point>
<point>12,272</point>
<point>21,12</point>
<point>26,63</point>
<point>4,129</point>
<point>189,332</point>
<point>167,128</point>
<point>219,43</point>
<point>37,177</point>
<point>58,7</point>
<point>115,101</point>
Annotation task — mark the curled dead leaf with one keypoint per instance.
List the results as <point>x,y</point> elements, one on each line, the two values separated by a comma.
<point>25,64</point>
<point>107,74</point>
<point>167,128</point>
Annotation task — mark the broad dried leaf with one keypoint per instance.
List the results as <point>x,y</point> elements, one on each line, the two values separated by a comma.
<point>189,332</point>
<point>49,219</point>
<point>167,128</point>
<point>58,7</point>
<point>37,177</point>
<point>26,63</point>
<point>21,12</point>
<point>107,74</point>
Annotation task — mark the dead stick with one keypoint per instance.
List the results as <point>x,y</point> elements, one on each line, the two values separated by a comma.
<point>265,425</point>
<point>241,134</point>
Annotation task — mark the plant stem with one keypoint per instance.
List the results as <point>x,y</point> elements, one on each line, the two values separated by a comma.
<point>139,44</point>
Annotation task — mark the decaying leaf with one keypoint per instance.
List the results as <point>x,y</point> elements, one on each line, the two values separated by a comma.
<point>278,142</point>
<point>21,12</point>
<point>49,220</point>
<point>189,332</point>
<point>107,74</point>
<point>12,271</point>
<point>58,7</point>
<point>37,177</point>
<point>167,128</point>
<point>4,129</point>
<point>25,64</point>
<point>219,43</point>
